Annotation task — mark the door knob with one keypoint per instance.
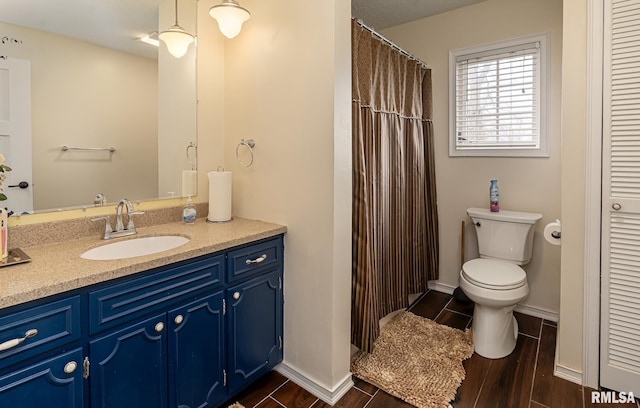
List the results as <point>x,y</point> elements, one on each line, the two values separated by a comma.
<point>178,319</point>
<point>22,184</point>
<point>236,295</point>
<point>616,206</point>
<point>159,327</point>
<point>70,367</point>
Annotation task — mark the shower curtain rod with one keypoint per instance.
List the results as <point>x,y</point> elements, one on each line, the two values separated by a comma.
<point>391,44</point>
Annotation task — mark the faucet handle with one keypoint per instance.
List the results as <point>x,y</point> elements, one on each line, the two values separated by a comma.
<point>107,226</point>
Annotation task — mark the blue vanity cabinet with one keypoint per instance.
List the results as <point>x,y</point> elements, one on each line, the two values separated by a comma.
<point>255,328</point>
<point>155,339</point>
<point>54,383</point>
<point>128,368</point>
<point>190,335</point>
<point>197,357</point>
<point>40,355</point>
<point>254,299</point>
<point>174,359</point>
<point>186,335</point>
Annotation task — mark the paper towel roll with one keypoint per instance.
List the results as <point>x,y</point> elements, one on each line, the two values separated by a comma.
<point>189,182</point>
<point>552,232</point>
<point>219,196</point>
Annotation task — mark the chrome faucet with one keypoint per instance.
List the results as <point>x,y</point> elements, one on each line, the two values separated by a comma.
<point>119,223</point>
<point>100,200</point>
<point>120,230</point>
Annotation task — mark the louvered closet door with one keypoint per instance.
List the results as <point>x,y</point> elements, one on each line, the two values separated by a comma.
<point>620,320</point>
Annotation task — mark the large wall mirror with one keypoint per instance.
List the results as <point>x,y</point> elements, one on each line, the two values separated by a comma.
<point>99,112</point>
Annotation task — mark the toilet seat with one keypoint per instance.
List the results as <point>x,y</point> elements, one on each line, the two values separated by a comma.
<point>492,274</point>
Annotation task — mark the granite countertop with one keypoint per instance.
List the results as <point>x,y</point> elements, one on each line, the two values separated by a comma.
<point>57,267</point>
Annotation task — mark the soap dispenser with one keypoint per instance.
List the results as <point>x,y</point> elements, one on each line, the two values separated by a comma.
<point>189,212</point>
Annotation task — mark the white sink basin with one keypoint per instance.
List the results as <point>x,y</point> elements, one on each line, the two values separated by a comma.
<point>134,247</point>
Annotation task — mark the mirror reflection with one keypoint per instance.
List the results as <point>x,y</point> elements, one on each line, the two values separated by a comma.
<point>90,117</point>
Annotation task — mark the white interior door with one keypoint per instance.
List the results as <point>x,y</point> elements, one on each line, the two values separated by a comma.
<point>15,133</point>
<point>620,285</point>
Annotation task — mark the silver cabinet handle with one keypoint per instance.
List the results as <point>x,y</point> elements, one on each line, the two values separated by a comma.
<point>159,327</point>
<point>257,260</point>
<point>14,342</point>
<point>616,206</point>
<point>178,319</point>
<point>70,367</point>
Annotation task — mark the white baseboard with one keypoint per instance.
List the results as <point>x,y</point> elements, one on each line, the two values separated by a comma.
<point>537,312</point>
<point>524,309</point>
<point>441,287</point>
<point>567,373</point>
<point>330,396</point>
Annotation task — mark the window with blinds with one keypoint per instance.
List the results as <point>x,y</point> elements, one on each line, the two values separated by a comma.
<point>497,99</point>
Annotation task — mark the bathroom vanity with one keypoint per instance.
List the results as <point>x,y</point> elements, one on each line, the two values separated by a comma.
<point>190,327</point>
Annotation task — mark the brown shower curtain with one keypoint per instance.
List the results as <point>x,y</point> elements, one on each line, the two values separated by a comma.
<point>395,220</point>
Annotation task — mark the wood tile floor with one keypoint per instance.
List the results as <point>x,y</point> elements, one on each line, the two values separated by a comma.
<point>523,379</point>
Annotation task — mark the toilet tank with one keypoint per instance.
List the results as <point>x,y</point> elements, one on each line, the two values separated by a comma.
<point>504,235</point>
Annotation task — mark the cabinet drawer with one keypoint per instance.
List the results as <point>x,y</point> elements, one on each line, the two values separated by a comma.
<point>51,325</point>
<point>127,300</point>
<point>254,258</point>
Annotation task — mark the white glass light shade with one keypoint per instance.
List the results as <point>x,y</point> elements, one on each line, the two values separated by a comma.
<point>177,40</point>
<point>230,17</point>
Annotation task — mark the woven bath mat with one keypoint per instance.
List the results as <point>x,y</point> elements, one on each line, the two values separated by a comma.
<point>416,360</point>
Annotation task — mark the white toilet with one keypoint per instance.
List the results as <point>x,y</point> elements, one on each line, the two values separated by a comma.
<point>494,281</point>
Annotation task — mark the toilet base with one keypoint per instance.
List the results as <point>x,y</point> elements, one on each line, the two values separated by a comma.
<point>495,331</point>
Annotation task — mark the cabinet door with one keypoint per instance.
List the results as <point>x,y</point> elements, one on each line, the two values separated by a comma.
<point>129,367</point>
<point>196,353</point>
<point>255,328</point>
<point>55,383</point>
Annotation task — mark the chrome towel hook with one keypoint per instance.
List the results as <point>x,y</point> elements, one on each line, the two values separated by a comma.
<point>250,143</point>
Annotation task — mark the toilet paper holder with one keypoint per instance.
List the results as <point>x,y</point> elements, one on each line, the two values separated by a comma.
<point>552,232</point>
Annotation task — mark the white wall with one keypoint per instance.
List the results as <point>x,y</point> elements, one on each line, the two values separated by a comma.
<point>67,76</point>
<point>177,123</point>
<point>211,97</point>
<point>287,85</point>
<point>574,119</point>
<point>526,184</point>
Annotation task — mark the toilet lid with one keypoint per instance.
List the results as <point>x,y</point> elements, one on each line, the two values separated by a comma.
<point>492,274</point>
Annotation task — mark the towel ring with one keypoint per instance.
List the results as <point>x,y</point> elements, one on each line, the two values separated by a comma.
<point>250,143</point>
<point>194,162</point>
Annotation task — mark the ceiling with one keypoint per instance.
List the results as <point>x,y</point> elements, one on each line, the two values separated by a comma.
<point>381,14</point>
<point>113,23</point>
<point>119,23</point>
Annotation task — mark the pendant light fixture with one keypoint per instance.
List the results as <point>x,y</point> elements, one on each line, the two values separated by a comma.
<point>230,17</point>
<point>176,39</point>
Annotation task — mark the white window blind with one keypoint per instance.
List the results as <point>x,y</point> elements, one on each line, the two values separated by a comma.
<point>498,99</point>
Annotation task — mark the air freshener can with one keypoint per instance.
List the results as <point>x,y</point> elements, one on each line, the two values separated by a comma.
<point>494,196</point>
